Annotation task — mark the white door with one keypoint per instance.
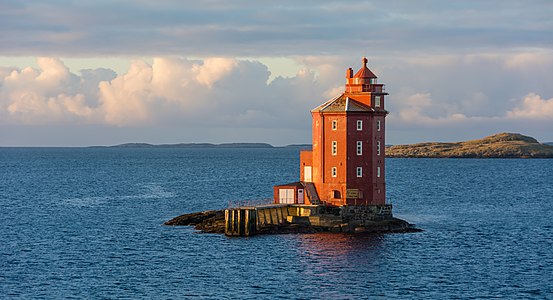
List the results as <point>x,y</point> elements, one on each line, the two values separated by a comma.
<point>300,196</point>
<point>307,174</point>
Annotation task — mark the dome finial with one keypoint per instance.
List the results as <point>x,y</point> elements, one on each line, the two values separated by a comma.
<point>365,61</point>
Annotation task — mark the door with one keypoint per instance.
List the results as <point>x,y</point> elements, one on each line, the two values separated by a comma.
<point>307,174</point>
<point>300,196</point>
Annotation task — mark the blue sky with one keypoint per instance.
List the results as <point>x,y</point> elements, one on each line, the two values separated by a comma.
<point>77,73</point>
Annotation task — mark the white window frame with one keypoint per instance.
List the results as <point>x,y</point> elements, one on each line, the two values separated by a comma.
<point>334,147</point>
<point>359,147</point>
<point>376,101</point>
<point>334,172</point>
<point>286,196</point>
<point>377,171</point>
<point>359,171</point>
<point>377,147</point>
<point>359,125</point>
<point>334,124</point>
<point>377,125</point>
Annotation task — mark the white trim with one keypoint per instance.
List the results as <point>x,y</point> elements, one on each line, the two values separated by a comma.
<point>286,196</point>
<point>334,172</point>
<point>359,147</point>
<point>334,125</point>
<point>378,125</point>
<point>359,125</point>
<point>377,147</point>
<point>376,101</point>
<point>347,103</point>
<point>359,171</point>
<point>334,147</point>
<point>377,171</point>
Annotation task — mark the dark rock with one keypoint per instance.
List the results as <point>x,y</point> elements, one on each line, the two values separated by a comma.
<point>207,217</point>
<point>213,221</point>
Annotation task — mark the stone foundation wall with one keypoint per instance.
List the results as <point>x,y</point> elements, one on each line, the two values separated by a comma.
<point>362,213</point>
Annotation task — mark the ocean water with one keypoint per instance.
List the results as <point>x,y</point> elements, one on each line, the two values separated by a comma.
<point>87,223</point>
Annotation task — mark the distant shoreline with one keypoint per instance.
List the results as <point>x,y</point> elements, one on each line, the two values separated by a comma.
<point>205,145</point>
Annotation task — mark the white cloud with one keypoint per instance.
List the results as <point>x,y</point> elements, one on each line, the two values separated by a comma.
<point>213,69</point>
<point>212,92</point>
<point>533,107</point>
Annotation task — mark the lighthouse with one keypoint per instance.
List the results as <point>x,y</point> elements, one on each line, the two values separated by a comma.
<point>346,166</point>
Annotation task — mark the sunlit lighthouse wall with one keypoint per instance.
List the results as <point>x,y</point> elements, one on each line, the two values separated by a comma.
<point>346,165</point>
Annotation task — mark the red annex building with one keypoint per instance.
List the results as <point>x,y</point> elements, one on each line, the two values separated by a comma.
<point>346,165</point>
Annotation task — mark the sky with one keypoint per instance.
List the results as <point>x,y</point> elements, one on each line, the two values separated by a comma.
<point>105,72</point>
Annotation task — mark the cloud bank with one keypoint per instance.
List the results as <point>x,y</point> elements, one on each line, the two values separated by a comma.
<point>235,93</point>
<point>214,92</point>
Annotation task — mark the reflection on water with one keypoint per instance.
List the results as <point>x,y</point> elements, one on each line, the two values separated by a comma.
<point>319,253</point>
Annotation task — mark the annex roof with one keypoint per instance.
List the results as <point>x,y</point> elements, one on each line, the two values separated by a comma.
<point>296,184</point>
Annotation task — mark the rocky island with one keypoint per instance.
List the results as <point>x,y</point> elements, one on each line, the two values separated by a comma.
<point>283,220</point>
<point>501,145</point>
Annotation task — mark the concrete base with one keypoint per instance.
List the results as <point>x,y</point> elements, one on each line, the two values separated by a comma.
<point>245,221</point>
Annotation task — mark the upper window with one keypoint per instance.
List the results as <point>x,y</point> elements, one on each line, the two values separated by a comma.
<point>359,171</point>
<point>334,172</point>
<point>359,148</point>
<point>334,147</point>
<point>377,171</point>
<point>359,125</point>
<point>378,148</point>
<point>334,124</point>
<point>377,125</point>
<point>377,101</point>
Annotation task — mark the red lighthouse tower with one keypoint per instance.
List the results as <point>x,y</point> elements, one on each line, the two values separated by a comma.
<point>347,163</point>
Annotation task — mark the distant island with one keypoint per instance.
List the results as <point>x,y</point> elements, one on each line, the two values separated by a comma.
<point>204,145</point>
<point>501,145</point>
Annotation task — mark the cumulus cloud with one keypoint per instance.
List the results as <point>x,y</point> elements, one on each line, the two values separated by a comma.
<point>44,95</point>
<point>533,107</point>
<point>206,95</point>
<point>210,92</point>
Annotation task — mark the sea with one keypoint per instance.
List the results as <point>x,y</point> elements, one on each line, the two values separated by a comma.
<point>87,223</point>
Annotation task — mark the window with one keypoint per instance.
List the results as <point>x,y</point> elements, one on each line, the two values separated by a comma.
<point>286,196</point>
<point>377,101</point>
<point>377,171</point>
<point>377,125</point>
<point>359,171</point>
<point>334,124</point>
<point>334,172</point>
<point>336,194</point>
<point>359,125</point>
<point>378,148</point>
<point>359,148</point>
<point>334,147</point>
